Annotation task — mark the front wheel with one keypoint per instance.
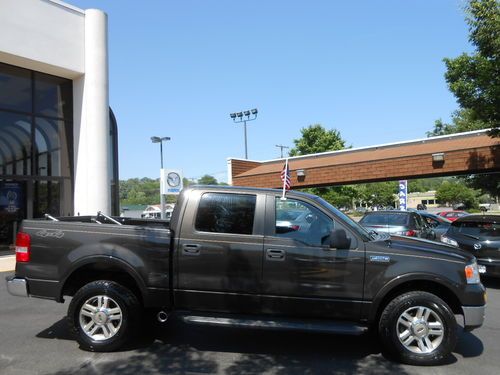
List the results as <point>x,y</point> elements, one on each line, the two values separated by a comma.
<point>102,315</point>
<point>418,328</point>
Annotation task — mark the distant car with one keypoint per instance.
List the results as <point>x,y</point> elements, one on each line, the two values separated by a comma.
<point>439,224</point>
<point>480,235</point>
<point>452,215</point>
<point>403,223</point>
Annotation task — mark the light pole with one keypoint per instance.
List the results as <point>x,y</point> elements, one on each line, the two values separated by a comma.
<point>281,148</point>
<point>238,117</point>
<point>160,140</point>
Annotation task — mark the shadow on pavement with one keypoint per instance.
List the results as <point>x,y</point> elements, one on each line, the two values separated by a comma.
<point>177,348</point>
<point>469,345</point>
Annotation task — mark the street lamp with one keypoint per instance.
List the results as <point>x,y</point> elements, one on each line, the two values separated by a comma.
<point>160,140</point>
<point>237,117</point>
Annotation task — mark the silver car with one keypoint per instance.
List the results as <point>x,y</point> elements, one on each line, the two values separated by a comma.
<point>401,223</point>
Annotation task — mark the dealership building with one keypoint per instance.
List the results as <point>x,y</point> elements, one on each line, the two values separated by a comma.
<point>58,136</point>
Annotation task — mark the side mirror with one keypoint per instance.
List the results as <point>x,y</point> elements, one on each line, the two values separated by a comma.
<point>339,240</point>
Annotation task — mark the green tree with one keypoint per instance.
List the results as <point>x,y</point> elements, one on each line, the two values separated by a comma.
<point>454,192</point>
<point>475,79</point>
<point>207,180</point>
<point>380,193</point>
<point>315,138</point>
<point>463,120</point>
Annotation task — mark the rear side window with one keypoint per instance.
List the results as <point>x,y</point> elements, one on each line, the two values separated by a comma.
<point>226,213</point>
<point>385,219</point>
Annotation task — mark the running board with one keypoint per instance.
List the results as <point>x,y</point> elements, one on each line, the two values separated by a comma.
<point>337,327</point>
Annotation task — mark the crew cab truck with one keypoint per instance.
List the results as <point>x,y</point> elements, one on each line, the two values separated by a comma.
<point>246,257</point>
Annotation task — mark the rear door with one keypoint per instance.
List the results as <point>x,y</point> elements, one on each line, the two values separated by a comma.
<point>302,275</point>
<point>219,252</point>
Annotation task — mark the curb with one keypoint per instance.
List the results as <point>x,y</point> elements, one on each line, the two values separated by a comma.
<point>7,263</point>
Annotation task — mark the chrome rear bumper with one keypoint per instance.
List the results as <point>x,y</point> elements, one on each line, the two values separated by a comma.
<point>17,286</point>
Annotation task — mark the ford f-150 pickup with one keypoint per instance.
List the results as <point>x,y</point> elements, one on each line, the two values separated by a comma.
<point>246,257</point>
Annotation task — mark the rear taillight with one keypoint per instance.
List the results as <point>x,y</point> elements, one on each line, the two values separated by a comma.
<point>411,233</point>
<point>23,247</point>
<point>295,227</point>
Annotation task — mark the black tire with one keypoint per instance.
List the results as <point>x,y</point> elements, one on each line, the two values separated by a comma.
<point>118,298</point>
<point>415,332</point>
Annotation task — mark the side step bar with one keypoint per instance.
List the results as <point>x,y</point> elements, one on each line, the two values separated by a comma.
<point>344,328</point>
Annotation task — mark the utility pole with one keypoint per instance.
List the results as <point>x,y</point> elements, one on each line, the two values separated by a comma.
<point>281,149</point>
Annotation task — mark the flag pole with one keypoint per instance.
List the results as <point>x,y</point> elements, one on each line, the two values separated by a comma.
<point>283,198</point>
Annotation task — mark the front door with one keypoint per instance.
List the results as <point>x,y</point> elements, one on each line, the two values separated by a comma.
<point>302,274</point>
<point>220,253</point>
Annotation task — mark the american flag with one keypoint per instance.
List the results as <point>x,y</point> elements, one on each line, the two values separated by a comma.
<point>285,176</point>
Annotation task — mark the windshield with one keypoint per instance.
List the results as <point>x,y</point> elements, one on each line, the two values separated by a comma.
<point>477,229</point>
<point>347,220</point>
<point>396,219</point>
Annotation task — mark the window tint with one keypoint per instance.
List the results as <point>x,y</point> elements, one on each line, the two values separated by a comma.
<point>226,213</point>
<point>302,222</point>
<point>385,219</point>
<point>482,229</point>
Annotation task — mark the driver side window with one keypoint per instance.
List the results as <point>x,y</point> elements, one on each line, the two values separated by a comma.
<point>302,222</point>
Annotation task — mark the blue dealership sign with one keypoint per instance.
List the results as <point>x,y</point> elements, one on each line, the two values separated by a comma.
<point>403,194</point>
<point>11,197</point>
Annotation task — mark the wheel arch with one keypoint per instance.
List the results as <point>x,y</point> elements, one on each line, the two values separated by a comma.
<point>414,283</point>
<point>102,268</point>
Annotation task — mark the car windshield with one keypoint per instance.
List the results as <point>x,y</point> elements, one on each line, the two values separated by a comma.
<point>347,220</point>
<point>477,229</point>
<point>385,218</point>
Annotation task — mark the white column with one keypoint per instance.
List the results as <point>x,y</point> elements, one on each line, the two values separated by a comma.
<point>229,171</point>
<point>91,137</point>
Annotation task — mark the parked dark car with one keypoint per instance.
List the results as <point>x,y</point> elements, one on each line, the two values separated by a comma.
<point>439,224</point>
<point>480,235</point>
<point>403,223</point>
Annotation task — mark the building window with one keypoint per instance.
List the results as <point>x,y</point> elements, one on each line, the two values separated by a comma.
<point>36,147</point>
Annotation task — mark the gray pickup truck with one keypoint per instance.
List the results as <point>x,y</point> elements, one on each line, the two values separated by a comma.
<point>245,257</point>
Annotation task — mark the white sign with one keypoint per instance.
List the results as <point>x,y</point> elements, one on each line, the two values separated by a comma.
<point>170,181</point>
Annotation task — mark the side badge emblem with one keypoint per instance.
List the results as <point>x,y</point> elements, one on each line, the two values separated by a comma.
<point>380,258</point>
<point>477,246</point>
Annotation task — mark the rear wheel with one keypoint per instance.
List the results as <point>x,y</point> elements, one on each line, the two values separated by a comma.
<point>418,328</point>
<point>102,314</point>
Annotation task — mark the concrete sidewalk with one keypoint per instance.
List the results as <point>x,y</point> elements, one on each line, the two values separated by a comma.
<point>7,263</point>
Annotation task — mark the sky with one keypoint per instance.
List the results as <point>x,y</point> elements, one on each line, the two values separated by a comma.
<point>371,69</point>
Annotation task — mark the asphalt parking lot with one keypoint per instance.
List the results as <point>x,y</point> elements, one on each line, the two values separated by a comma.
<point>35,340</point>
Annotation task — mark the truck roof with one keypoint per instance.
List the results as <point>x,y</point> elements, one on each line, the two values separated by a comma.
<point>247,189</point>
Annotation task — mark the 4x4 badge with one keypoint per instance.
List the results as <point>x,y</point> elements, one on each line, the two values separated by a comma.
<point>380,258</point>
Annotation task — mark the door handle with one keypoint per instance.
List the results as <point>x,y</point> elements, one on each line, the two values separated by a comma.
<point>190,249</point>
<point>275,254</point>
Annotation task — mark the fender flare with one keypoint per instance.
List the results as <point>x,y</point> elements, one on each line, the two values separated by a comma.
<point>108,260</point>
<point>402,279</point>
